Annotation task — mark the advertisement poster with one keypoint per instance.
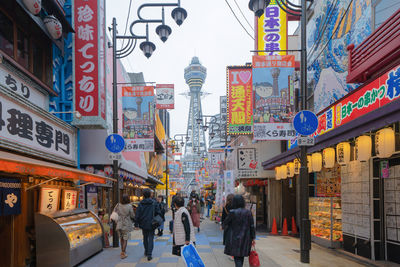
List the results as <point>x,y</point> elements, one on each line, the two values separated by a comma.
<point>271,86</point>
<point>272,30</point>
<point>240,100</point>
<point>229,182</point>
<point>91,198</point>
<point>165,96</point>
<point>329,182</point>
<point>138,118</point>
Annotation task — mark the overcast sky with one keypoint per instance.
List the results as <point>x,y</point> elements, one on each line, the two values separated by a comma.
<point>210,32</point>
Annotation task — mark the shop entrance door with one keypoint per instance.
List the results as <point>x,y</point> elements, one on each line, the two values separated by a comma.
<point>6,246</point>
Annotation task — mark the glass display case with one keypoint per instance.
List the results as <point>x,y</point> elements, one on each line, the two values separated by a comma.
<point>66,238</point>
<point>326,221</point>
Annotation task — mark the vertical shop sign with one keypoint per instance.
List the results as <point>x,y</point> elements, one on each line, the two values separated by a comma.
<point>229,182</point>
<point>69,199</point>
<point>165,96</point>
<point>272,76</point>
<point>10,196</point>
<point>89,51</point>
<point>240,100</point>
<point>49,199</point>
<point>222,109</point>
<point>91,198</point>
<point>272,30</point>
<point>138,118</point>
<point>384,164</point>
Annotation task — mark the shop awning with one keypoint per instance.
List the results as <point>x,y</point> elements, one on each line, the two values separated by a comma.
<point>153,180</point>
<point>372,121</point>
<point>13,163</point>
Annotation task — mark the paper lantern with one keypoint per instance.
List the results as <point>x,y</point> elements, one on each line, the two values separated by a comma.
<point>283,171</point>
<point>309,166</point>
<point>385,143</point>
<point>53,26</point>
<point>277,173</point>
<point>363,148</point>
<point>328,157</point>
<point>316,162</point>
<point>34,6</point>
<point>297,166</point>
<point>290,169</point>
<point>343,153</point>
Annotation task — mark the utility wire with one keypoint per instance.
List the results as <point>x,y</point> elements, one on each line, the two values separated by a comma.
<point>341,19</point>
<point>251,36</point>
<point>126,24</point>
<point>243,15</point>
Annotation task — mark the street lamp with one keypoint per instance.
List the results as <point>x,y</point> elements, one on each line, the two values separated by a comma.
<point>163,31</point>
<point>258,7</point>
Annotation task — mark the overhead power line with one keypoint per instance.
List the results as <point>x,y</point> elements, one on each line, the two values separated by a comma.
<point>233,12</point>
<point>243,15</point>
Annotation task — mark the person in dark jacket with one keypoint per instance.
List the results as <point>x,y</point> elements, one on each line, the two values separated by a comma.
<point>163,209</point>
<point>225,212</point>
<point>145,212</point>
<point>241,236</point>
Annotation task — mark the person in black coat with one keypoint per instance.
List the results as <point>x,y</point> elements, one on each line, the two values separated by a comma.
<point>241,234</point>
<point>163,209</point>
<point>145,212</point>
<point>225,212</point>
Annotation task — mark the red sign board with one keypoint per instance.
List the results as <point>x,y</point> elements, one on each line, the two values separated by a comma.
<point>89,64</point>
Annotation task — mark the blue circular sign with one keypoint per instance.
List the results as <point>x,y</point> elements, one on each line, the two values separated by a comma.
<point>305,122</point>
<point>115,143</point>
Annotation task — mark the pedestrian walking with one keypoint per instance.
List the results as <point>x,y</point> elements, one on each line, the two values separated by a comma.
<point>105,220</point>
<point>202,204</point>
<point>183,233</point>
<point>241,235</point>
<point>194,210</point>
<point>124,223</point>
<point>145,213</point>
<point>225,213</point>
<point>210,201</point>
<point>163,209</point>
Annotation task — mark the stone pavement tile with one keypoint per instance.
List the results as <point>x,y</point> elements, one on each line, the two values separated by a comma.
<point>168,260</point>
<point>130,243</point>
<point>204,250</point>
<point>146,264</point>
<point>144,260</point>
<point>125,265</point>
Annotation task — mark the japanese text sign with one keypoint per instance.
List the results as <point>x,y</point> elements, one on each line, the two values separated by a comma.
<point>138,118</point>
<point>165,96</point>
<point>272,77</point>
<point>272,30</point>
<point>240,100</point>
<point>49,198</point>
<point>27,130</point>
<point>89,54</point>
<point>69,199</point>
<point>229,182</point>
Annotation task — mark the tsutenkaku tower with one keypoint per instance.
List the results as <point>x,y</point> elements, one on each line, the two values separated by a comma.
<point>195,74</point>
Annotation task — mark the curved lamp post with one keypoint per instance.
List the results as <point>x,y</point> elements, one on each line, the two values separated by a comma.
<point>258,7</point>
<point>163,31</point>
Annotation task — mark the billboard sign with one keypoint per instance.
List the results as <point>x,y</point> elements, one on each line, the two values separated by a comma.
<point>240,100</point>
<point>165,96</point>
<point>138,118</point>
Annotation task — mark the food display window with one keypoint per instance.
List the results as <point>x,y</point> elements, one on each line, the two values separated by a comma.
<point>66,238</point>
<point>326,221</point>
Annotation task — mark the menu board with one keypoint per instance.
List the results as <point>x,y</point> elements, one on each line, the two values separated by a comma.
<point>49,199</point>
<point>392,203</point>
<point>356,207</point>
<point>69,199</point>
<point>329,182</point>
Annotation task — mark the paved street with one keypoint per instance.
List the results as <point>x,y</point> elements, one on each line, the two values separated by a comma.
<point>273,251</point>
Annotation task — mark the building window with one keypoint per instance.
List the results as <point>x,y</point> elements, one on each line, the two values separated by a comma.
<point>6,35</point>
<point>26,45</point>
<point>383,10</point>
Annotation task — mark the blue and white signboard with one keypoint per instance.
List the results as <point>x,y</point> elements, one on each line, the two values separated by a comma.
<point>305,122</point>
<point>115,143</point>
<point>191,257</point>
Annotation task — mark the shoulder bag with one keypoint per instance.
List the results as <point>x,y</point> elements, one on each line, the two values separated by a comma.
<point>157,220</point>
<point>114,215</point>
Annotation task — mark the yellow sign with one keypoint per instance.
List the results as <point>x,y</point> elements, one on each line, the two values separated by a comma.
<point>272,30</point>
<point>160,132</point>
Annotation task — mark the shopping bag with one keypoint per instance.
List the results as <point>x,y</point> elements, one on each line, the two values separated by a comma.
<point>114,215</point>
<point>254,260</point>
<point>191,257</point>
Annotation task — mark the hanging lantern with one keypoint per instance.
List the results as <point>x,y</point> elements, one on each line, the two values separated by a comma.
<point>297,165</point>
<point>283,171</point>
<point>53,25</point>
<point>309,165</point>
<point>328,157</point>
<point>34,6</point>
<point>290,169</point>
<point>363,148</point>
<point>343,153</point>
<point>277,173</point>
<point>316,162</point>
<point>385,143</point>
